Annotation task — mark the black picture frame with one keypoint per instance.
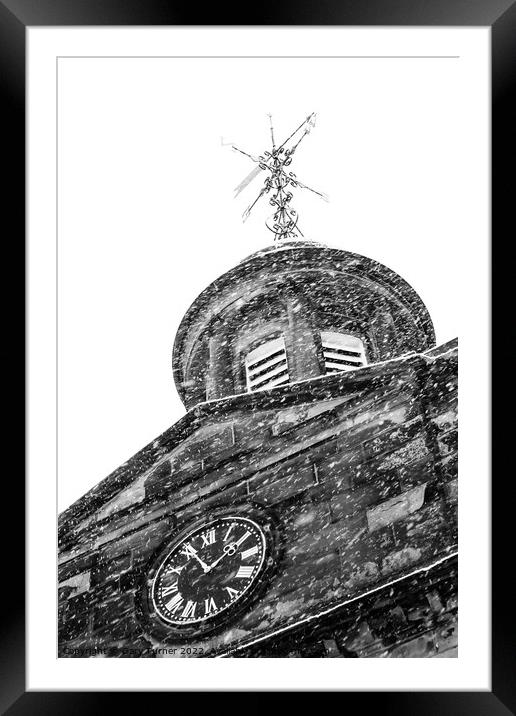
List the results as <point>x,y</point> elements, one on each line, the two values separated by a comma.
<point>500,15</point>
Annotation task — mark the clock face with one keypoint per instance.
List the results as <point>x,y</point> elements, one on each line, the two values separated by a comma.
<point>208,571</point>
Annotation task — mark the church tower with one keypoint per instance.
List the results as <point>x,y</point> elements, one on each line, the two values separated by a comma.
<point>306,504</point>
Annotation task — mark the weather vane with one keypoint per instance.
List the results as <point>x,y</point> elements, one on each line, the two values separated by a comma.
<point>279,181</point>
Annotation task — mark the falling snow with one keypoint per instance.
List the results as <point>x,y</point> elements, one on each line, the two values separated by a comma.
<point>353,469</point>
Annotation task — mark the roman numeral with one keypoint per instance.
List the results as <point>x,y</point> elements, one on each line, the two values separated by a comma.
<point>229,531</point>
<point>165,591</point>
<point>232,592</point>
<point>209,538</point>
<point>243,538</point>
<point>249,552</point>
<point>174,604</point>
<point>209,605</point>
<point>176,570</point>
<point>244,572</point>
<point>189,610</point>
<point>189,551</point>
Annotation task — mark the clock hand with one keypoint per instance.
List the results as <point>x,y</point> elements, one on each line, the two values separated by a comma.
<point>214,564</point>
<point>228,549</point>
<point>203,564</point>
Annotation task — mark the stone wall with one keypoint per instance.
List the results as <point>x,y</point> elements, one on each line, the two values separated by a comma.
<point>414,618</point>
<point>359,469</point>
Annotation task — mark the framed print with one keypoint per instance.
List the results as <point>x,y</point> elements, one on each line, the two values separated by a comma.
<point>253,251</point>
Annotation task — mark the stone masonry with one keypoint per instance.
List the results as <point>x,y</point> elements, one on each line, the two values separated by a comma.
<point>360,472</point>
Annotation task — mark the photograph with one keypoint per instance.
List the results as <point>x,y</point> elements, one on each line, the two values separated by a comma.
<point>253,247</point>
<point>279,254</point>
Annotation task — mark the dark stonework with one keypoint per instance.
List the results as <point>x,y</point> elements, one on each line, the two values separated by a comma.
<point>358,472</point>
<point>298,289</point>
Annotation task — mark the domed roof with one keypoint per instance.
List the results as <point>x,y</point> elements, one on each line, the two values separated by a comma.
<point>325,274</point>
<point>282,246</point>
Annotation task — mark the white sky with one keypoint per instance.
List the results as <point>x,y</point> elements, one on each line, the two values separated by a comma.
<point>147,218</point>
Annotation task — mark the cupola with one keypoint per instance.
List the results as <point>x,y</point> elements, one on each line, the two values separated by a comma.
<point>291,312</point>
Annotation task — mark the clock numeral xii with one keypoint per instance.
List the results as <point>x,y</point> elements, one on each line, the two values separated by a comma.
<point>208,538</point>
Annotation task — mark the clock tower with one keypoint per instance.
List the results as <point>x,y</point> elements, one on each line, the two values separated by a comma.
<point>306,504</point>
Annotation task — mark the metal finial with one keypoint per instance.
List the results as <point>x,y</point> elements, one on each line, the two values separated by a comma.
<point>284,221</point>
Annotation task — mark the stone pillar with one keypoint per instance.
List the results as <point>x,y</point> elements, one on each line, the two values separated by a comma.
<point>219,378</point>
<point>302,340</point>
<point>385,337</point>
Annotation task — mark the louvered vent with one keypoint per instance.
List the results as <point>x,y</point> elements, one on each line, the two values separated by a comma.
<point>266,366</point>
<point>342,352</point>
